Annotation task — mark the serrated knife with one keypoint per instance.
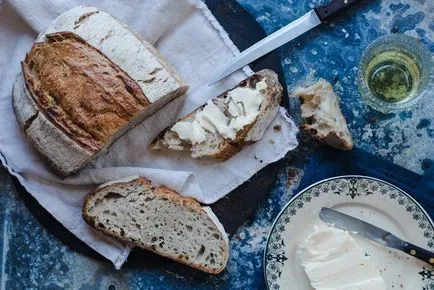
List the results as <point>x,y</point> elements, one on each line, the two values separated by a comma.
<point>287,33</point>
<point>364,229</point>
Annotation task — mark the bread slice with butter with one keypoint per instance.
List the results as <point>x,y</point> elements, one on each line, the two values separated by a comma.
<point>160,220</point>
<point>322,115</point>
<point>220,128</point>
<point>85,82</point>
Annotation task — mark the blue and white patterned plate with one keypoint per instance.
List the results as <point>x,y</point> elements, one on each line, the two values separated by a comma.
<point>370,199</point>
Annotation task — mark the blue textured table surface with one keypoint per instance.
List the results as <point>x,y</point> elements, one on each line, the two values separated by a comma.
<point>32,258</point>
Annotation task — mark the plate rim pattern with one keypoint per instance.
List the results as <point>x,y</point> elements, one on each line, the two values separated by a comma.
<point>280,258</point>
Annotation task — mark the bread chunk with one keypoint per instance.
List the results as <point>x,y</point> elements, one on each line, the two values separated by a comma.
<point>322,115</point>
<point>159,220</point>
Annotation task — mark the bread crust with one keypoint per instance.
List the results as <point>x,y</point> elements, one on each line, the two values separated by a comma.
<point>65,153</point>
<point>88,97</point>
<point>114,39</point>
<point>251,132</point>
<point>187,203</point>
<point>60,152</point>
<point>331,139</point>
<point>335,134</point>
<point>268,108</point>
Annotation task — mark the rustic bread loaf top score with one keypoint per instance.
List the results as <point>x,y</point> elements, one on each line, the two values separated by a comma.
<point>323,116</point>
<point>224,125</point>
<point>87,80</point>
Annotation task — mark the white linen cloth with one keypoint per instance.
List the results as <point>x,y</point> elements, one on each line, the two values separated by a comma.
<point>190,38</point>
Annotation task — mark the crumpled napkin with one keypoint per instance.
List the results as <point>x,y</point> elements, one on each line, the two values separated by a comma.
<point>190,38</point>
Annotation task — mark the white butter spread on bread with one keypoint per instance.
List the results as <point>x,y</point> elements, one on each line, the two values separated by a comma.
<point>242,108</point>
<point>332,259</point>
<point>228,122</point>
<point>190,131</point>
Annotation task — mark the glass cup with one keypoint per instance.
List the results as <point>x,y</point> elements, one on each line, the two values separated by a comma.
<point>395,72</point>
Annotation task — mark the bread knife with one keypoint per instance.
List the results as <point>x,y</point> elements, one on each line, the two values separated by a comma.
<point>287,33</point>
<point>364,229</point>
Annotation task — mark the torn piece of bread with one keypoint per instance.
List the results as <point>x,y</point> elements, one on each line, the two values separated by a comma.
<point>160,220</point>
<point>220,128</point>
<point>322,115</point>
<point>85,82</point>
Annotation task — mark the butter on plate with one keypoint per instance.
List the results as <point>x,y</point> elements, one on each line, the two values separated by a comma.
<point>333,260</point>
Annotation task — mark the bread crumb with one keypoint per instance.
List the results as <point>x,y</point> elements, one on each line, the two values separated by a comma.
<point>277,127</point>
<point>322,115</point>
<point>260,160</point>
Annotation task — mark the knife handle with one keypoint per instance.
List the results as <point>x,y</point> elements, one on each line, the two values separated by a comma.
<point>331,8</point>
<point>418,252</point>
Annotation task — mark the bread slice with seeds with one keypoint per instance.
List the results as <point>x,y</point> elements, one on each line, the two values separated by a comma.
<point>160,220</point>
<point>220,128</point>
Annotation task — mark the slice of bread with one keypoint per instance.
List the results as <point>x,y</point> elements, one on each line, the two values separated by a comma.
<point>322,115</point>
<point>220,147</point>
<point>160,220</point>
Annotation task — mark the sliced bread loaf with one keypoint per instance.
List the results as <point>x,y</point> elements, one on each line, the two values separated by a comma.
<point>85,82</point>
<point>139,59</point>
<point>322,115</point>
<point>220,128</point>
<point>160,220</point>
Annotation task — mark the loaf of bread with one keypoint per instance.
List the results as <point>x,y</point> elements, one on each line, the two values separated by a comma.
<point>323,117</point>
<point>220,128</point>
<point>159,220</point>
<point>84,83</point>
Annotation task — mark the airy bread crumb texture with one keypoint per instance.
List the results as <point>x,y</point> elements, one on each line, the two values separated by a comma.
<point>322,115</point>
<point>159,220</point>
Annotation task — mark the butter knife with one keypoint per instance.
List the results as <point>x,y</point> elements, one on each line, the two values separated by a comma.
<point>369,231</point>
<point>287,33</point>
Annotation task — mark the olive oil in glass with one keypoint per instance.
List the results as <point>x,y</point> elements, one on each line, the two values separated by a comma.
<point>393,76</point>
<point>395,72</point>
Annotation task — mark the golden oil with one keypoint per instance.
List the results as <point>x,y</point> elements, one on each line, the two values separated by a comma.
<point>393,76</point>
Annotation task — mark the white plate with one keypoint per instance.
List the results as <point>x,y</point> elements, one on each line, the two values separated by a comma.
<point>370,199</point>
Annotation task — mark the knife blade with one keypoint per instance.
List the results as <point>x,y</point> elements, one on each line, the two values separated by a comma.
<point>371,232</point>
<point>287,33</point>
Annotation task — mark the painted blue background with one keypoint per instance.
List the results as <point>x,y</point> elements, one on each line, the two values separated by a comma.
<point>32,258</point>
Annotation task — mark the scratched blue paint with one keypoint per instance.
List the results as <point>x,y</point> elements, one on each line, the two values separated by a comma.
<point>399,7</point>
<point>409,22</point>
<point>33,258</point>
